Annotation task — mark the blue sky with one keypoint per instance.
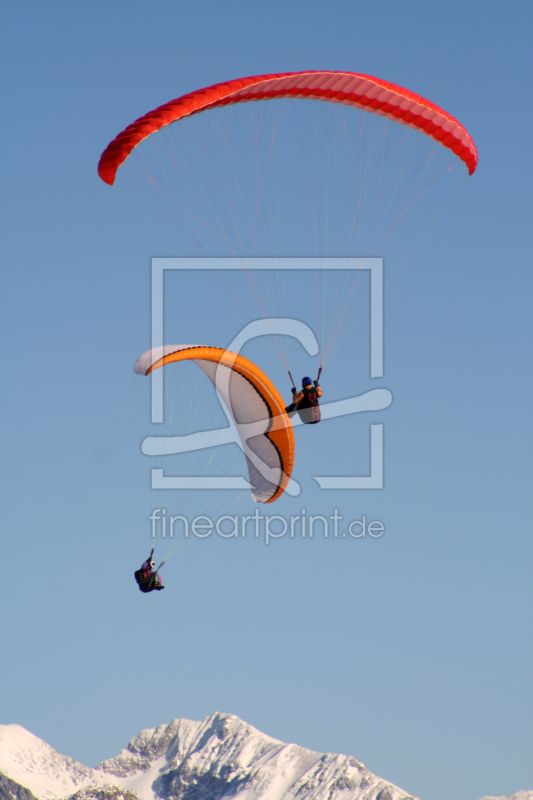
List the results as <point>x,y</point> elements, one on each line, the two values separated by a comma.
<point>412,652</point>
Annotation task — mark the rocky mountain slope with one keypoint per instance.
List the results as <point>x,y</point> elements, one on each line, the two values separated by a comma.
<point>221,757</point>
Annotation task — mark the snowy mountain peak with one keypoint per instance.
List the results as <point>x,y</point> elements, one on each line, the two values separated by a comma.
<point>150,745</point>
<point>221,757</point>
<point>180,740</point>
<point>517,796</point>
<point>35,764</point>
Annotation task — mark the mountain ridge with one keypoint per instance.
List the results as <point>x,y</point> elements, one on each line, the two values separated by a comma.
<point>219,757</point>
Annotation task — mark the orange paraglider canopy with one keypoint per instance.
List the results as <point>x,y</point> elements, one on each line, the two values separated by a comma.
<point>255,405</point>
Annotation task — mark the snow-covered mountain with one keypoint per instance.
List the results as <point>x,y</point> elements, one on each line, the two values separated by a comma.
<point>517,796</point>
<point>221,757</point>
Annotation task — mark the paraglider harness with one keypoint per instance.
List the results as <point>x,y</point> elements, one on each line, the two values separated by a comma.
<point>147,578</point>
<point>307,406</point>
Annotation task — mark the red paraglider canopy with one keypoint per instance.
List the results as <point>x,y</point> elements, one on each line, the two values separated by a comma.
<point>348,88</point>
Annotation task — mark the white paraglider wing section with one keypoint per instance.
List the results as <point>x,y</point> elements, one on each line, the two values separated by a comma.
<point>246,407</point>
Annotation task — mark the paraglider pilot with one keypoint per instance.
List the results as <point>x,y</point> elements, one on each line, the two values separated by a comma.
<point>147,576</point>
<point>306,402</point>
